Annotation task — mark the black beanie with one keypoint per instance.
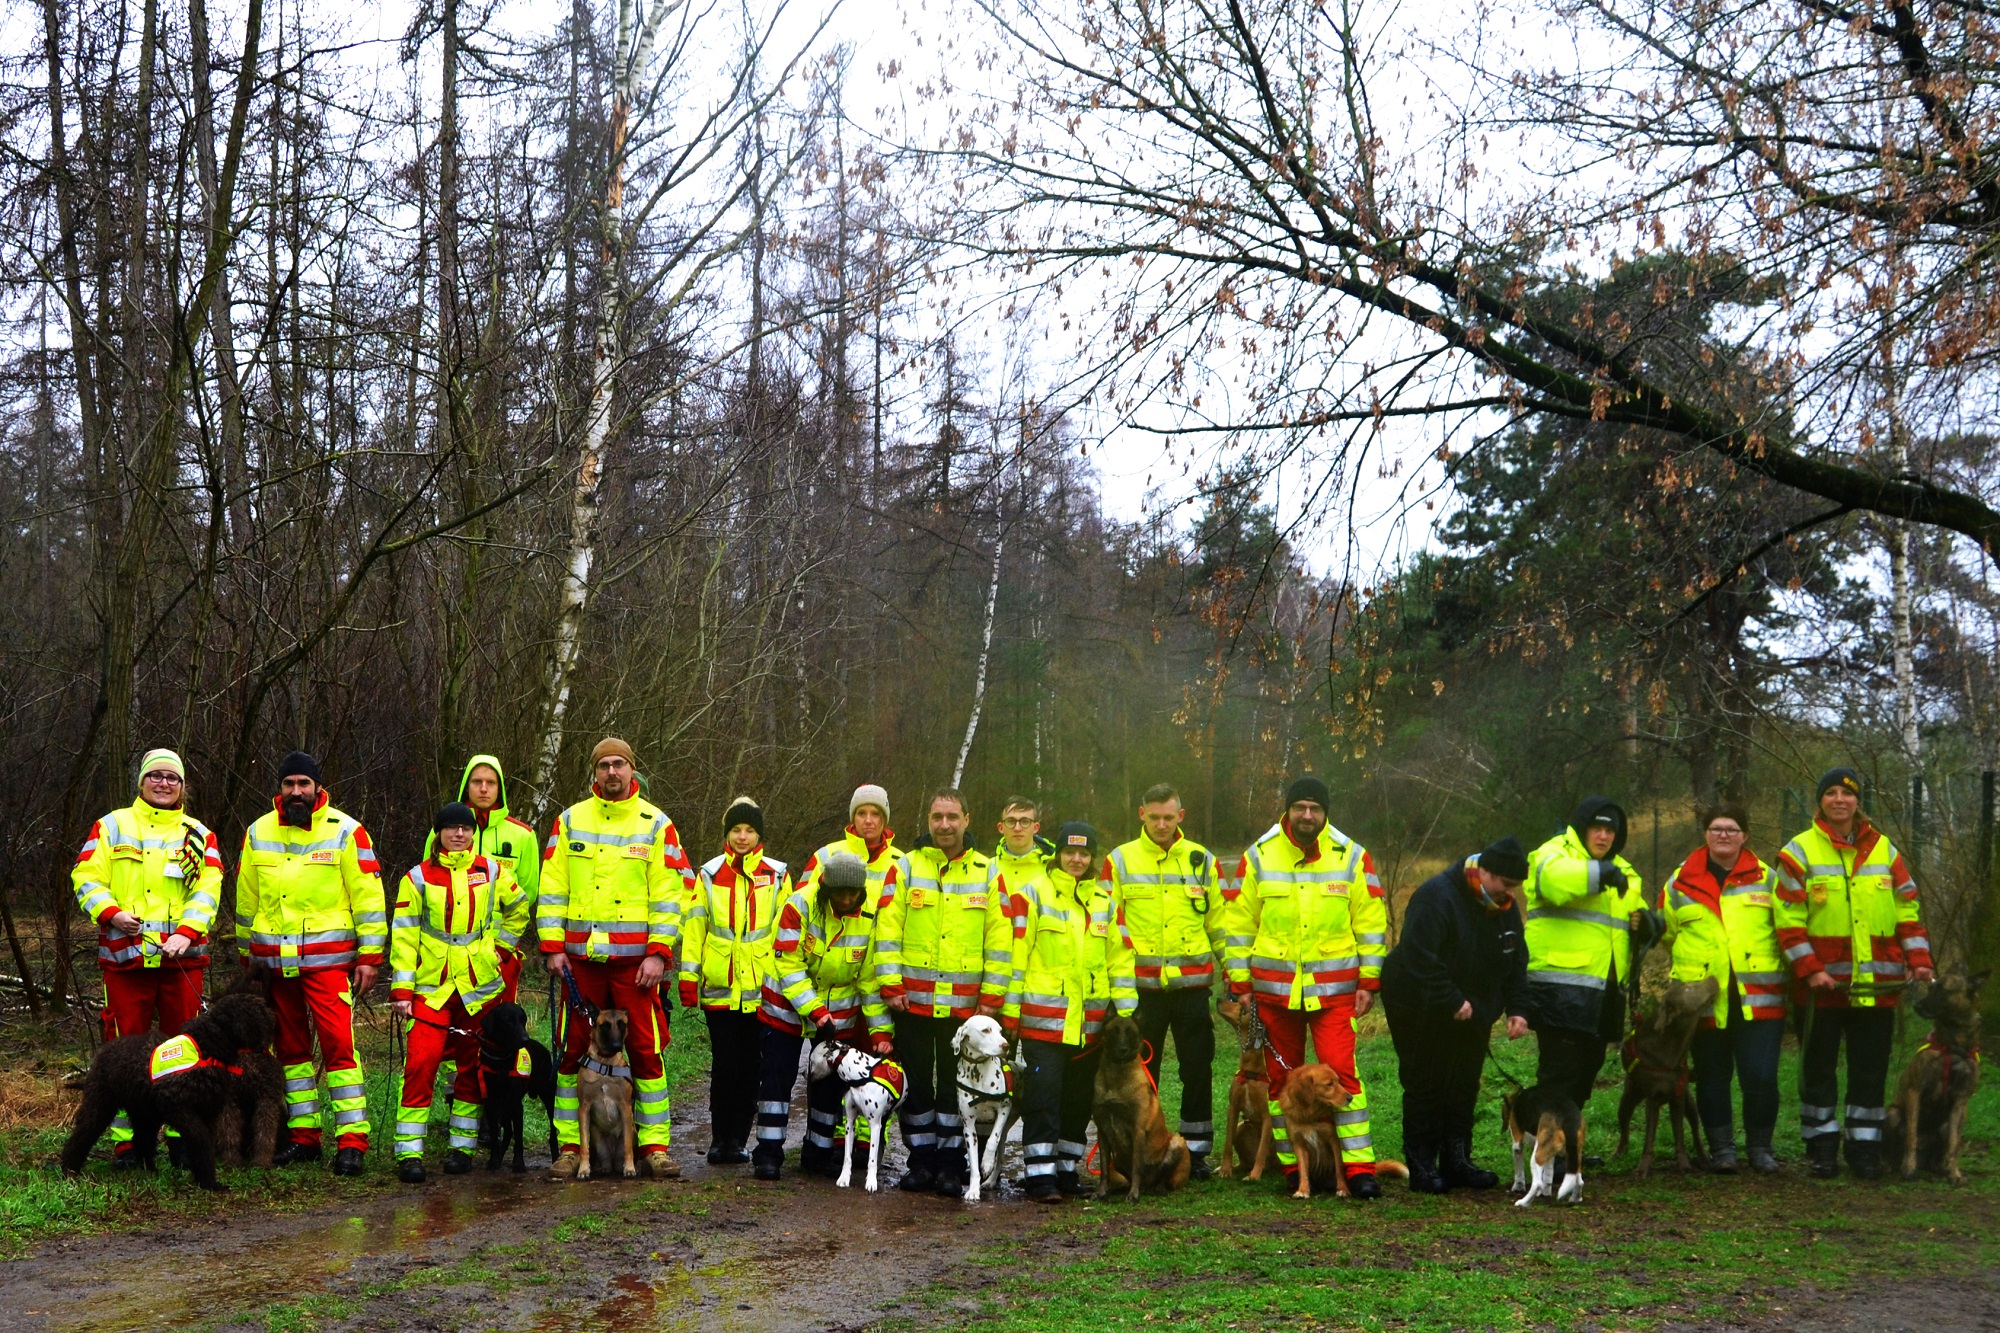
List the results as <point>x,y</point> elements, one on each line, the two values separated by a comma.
<point>1309,788</point>
<point>743,810</point>
<point>1838,777</point>
<point>454,814</point>
<point>1075,834</point>
<point>1505,858</point>
<point>299,764</point>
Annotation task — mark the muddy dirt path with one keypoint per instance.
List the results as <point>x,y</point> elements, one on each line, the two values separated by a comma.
<point>715,1250</point>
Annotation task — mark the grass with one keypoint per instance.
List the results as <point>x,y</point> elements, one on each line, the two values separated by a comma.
<point>1674,1249</point>
<point>37,1204</point>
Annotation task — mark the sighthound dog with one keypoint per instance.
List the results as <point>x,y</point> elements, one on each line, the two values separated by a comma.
<point>1249,1092</point>
<point>1938,1083</point>
<point>1543,1122</point>
<point>1658,1070</point>
<point>515,1067</point>
<point>604,1100</point>
<point>873,1090</point>
<point>182,1081</point>
<point>985,1096</point>
<point>1136,1151</point>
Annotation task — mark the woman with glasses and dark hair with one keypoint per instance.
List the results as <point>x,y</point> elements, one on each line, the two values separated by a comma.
<point>1721,920</point>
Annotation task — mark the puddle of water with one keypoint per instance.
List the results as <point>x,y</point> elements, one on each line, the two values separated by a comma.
<point>272,1263</point>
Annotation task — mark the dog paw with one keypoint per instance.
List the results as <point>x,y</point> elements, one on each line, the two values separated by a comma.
<point>630,1173</point>
<point>1524,1201</point>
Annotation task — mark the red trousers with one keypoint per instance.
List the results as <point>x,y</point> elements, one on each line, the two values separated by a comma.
<point>319,1003</point>
<point>615,986</point>
<point>1332,1031</point>
<point>135,998</point>
<point>437,1035</point>
<point>510,976</point>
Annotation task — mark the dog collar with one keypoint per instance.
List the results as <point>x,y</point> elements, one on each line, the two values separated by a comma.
<point>597,1066</point>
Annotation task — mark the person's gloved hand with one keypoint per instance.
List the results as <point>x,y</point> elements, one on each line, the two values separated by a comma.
<point>1610,876</point>
<point>690,994</point>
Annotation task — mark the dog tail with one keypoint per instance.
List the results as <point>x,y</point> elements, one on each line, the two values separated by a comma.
<point>1389,1166</point>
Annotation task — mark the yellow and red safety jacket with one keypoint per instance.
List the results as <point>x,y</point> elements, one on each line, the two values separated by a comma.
<point>823,968</point>
<point>1060,986</point>
<point>943,941</point>
<point>310,898</point>
<point>162,866</point>
<point>1169,911</point>
<point>1727,930</point>
<point>879,859</point>
<point>510,841</point>
<point>1850,907</point>
<point>1309,925</point>
<point>728,926</point>
<point>613,881</point>
<point>456,914</point>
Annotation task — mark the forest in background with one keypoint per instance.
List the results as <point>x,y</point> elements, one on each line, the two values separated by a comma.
<point>617,378</point>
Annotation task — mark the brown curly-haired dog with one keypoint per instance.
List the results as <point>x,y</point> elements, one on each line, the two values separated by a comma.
<point>189,1099</point>
<point>247,1129</point>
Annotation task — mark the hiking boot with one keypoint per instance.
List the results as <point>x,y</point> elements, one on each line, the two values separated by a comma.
<point>660,1166</point>
<point>1069,1184</point>
<point>1458,1170</point>
<point>1362,1185</point>
<point>565,1165</point>
<point>721,1156</point>
<point>410,1170</point>
<point>457,1162</point>
<point>295,1152</point>
<point>1593,1161</point>
<point>1865,1160</point>
<point>917,1180</point>
<point>1823,1156</point>
<point>1198,1167</point>
<point>950,1184</point>
<point>1423,1164</point>
<point>1722,1152</point>
<point>1042,1189</point>
<point>1761,1159</point>
<point>347,1162</point>
<point>766,1171</point>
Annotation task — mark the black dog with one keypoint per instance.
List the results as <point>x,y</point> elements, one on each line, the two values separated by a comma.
<point>246,1133</point>
<point>516,1067</point>
<point>188,1093</point>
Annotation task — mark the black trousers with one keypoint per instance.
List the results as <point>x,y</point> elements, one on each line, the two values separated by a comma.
<point>1569,1059</point>
<point>778,1075</point>
<point>735,1044</point>
<point>1185,1012</point>
<point>1438,1061</point>
<point>1056,1089</point>
<point>932,1129</point>
<point>1749,1048</point>
<point>1870,1033</point>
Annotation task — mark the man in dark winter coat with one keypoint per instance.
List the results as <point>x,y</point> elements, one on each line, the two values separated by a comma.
<point>1459,963</point>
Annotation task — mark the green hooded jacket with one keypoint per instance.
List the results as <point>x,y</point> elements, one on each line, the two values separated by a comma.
<point>500,835</point>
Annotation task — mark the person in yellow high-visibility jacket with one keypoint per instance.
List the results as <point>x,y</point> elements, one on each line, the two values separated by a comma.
<point>1168,908</point>
<point>459,917</point>
<point>1849,923</point>
<point>1057,999</point>
<point>310,915</point>
<point>727,929</point>
<point>943,951</point>
<point>867,836</point>
<point>613,881</point>
<point>150,876</point>
<point>1312,928</point>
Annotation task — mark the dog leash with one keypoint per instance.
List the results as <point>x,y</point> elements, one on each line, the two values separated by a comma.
<point>574,996</point>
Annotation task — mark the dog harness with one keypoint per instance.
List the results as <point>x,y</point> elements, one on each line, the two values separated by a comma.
<point>1629,1056</point>
<point>178,1055</point>
<point>980,1096</point>
<point>888,1075</point>
<point>594,1065</point>
<point>1931,1043</point>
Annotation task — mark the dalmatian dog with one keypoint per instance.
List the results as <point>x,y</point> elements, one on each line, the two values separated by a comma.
<point>872,1089</point>
<point>985,1096</point>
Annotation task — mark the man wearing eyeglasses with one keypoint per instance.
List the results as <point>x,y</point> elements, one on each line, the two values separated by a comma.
<point>1721,919</point>
<point>149,876</point>
<point>1023,853</point>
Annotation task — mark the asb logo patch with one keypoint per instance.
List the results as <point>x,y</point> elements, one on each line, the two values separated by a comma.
<point>523,1066</point>
<point>322,858</point>
<point>175,1055</point>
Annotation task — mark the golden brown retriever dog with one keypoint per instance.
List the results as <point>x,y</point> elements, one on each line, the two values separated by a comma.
<point>1249,1091</point>
<point>1310,1096</point>
<point>1136,1151</point>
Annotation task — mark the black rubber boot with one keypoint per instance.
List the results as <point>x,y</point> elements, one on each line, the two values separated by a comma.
<point>1455,1164</point>
<point>347,1162</point>
<point>950,1183</point>
<point>919,1179</point>
<point>1823,1156</point>
<point>1198,1167</point>
<point>767,1168</point>
<point>410,1170</point>
<point>1363,1185</point>
<point>1069,1183</point>
<point>457,1162</point>
<point>1864,1160</point>
<point>295,1152</point>
<point>1422,1160</point>
<point>1043,1189</point>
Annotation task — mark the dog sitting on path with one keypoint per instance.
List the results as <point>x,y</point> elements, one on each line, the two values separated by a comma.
<point>1657,1070</point>
<point>1249,1092</point>
<point>1938,1083</point>
<point>604,1100</point>
<point>1544,1125</point>
<point>985,1097</point>
<point>182,1081</point>
<point>515,1067</point>
<point>874,1089</point>
<point>1136,1151</point>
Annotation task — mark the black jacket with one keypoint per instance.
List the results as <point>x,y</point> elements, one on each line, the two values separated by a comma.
<point>1452,949</point>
